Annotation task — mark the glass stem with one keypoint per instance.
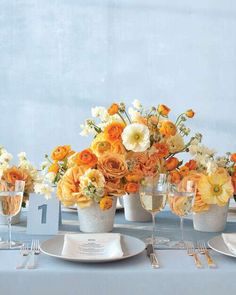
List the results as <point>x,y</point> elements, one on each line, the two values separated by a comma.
<point>153,228</point>
<point>182,229</point>
<point>9,230</point>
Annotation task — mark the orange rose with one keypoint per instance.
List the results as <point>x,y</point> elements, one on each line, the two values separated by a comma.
<point>190,113</point>
<point>167,128</point>
<point>118,147</point>
<point>233,157</point>
<point>163,110</point>
<point>161,150</point>
<point>192,165</point>
<point>113,131</point>
<point>113,165</point>
<point>12,174</point>
<point>60,152</point>
<point>86,158</point>
<point>175,176</point>
<point>113,109</point>
<point>106,203</point>
<point>184,170</point>
<point>131,187</point>
<point>171,164</point>
<point>54,168</point>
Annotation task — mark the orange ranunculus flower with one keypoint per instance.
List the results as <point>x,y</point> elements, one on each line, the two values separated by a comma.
<point>60,152</point>
<point>175,176</point>
<point>134,177</point>
<point>163,109</point>
<point>190,113</point>
<point>233,157</point>
<point>233,178</point>
<point>113,165</point>
<point>168,128</point>
<point>171,164</point>
<point>113,109</point>
<point>54,168</point>
<point>12,174</point>
<point>184,171</point>
<point>86,158</point>
<point>131,187</point>
<point>106,203</point>
<point>161,150</point>
<point>113,131</point>
<point>192,165</point>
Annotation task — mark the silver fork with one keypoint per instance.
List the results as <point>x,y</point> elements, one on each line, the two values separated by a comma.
<point>24,252</point>
<point>192,252</point>
<point>203,250</point>
<point>35,251</point>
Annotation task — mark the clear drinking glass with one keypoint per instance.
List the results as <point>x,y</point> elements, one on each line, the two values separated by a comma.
<point>181,201</point>
<point>153,197</point>
<point>11,197</point>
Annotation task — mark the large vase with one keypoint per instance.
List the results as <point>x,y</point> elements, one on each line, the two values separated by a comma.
<point>94,220</point>
<point>134,210</point>
<point>213,220</point>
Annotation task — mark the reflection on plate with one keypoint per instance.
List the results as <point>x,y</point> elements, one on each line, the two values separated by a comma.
<point>217,243</point>
<point>131,246</point>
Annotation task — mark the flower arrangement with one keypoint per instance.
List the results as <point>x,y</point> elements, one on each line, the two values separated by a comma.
<point>147,139</point>
<point>22,171</point>
<point>214,176</point>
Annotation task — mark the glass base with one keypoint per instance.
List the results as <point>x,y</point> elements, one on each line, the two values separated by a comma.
<point>157,240</point>
<point>12,245</point>
<point>178,244</point>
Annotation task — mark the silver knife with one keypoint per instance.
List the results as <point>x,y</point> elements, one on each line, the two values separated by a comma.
<point>152,255</point>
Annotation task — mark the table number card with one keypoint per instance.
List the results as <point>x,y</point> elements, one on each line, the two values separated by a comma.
<point>43,215</point>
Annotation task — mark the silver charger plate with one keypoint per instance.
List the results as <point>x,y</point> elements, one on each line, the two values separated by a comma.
<point>131,247</point>
<point>217,243</point>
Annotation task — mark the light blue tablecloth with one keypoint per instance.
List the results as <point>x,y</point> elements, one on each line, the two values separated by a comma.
<point>177,275</point>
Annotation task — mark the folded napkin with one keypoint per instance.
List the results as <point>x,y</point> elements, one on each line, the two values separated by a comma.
<point>92,246</point>
<point>230,241</point>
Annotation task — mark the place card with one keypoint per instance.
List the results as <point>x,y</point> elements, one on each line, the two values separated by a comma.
<point>43,215</point>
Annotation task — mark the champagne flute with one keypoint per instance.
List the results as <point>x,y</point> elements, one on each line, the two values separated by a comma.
<point>153,197</point>
<point>11,196</point>
<point>181,201</point>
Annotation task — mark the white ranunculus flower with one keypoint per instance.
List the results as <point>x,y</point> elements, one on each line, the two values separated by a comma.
<point>50,176</point>
<point>92,176</point>
<point>22,156</point>
<point>136,137</point>
<point>137,104</point>
<point>43,189</point>
<point>44,165</point>
<point>5,156</point>
<point>100,112</point>
<point>134,114</point>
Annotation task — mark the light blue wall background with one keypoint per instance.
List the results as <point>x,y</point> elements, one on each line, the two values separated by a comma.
<point>60,57</point>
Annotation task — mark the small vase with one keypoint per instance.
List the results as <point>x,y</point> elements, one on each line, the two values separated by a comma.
<point>134,210</point>
<point>213,220</point>
<point>94,220</point>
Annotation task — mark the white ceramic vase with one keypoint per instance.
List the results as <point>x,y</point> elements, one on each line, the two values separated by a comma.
<point>134,210</point>
<point>94,220</point>
<point>213,220</point>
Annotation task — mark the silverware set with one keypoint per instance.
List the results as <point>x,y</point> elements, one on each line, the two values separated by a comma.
<point>29,255</point>
<point>202,250</point>
<point>191,251</point>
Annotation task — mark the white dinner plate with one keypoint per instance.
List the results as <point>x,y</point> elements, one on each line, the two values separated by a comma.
<point>131,246</point>
<point>217,243</point>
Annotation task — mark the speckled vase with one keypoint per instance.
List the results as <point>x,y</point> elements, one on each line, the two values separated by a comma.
<point>213,220</point>
<point>94,220</point>
<point>134,210</point>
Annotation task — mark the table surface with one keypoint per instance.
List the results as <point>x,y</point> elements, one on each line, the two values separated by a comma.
<point>177,275</point>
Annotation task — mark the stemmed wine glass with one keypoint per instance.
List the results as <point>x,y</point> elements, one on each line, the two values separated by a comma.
<point>153,197</point>
<point>181,200</point>
<point>11,196</point>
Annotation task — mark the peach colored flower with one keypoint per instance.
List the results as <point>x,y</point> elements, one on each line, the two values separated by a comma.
<point>114,186</point>
<point>163,109</point>
<point>175,176</point>
<point>190,113</point>
<point>184,170</point>
<point>167,128</point>
<point>171,164</point>
<point>112,165</point>
<point>161,150</point>
<point>113,109</point>
<point>131,187</point>
<point>86,158</point>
